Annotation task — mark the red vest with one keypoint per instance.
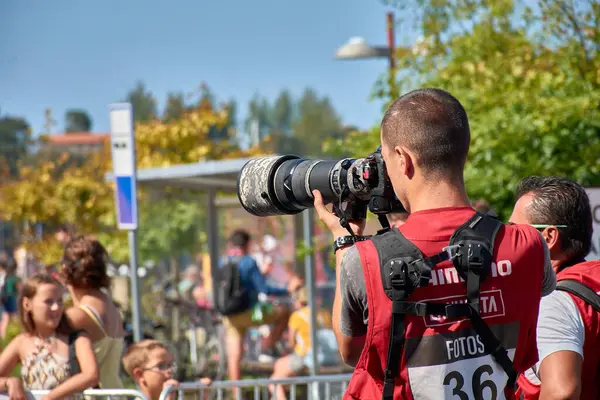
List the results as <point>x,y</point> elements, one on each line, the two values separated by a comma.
<point>444,358</point>
<point>587,273</point>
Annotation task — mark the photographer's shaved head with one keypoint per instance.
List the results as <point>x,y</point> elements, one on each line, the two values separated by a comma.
<point>433,125</point>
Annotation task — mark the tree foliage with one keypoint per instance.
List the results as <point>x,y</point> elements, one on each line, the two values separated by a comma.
<point>297,126</point>
<point>317,120</point>
<point>77,121</point>
<point>175,107</point>
<point>15,138</point>
<point>143,103</point>
<point>527,76</point>
<point>56,192</point>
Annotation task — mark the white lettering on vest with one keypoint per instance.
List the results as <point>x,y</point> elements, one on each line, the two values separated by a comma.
<point>464,346</point>
<point>491,304</point>
<point>449,275</point>
<point>504,268</point>
<point>488,304</point>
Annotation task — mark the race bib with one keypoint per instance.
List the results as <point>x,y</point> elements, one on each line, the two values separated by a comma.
<point>455,365</point>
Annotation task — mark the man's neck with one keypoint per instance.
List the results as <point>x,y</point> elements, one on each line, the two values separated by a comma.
<point>440,194</point>
<point>561,262</point>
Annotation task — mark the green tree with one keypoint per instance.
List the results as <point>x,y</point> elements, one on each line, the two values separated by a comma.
<point>232,110</point>
<point>258,118</point>
<point>171,225</point>
<point>15,139</point>
<point>316,121</point>
<point>77,120</point>
<point>175,107</point>
<point>281,117</point>
<point>527,76</point>
<point>143,103</point>
<point>282,113</point>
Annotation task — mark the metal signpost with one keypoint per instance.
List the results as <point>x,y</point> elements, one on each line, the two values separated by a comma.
<point>124,169</point>
<point>310,277</point>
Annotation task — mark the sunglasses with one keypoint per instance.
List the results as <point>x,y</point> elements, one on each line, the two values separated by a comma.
<point>542,226</point>
<point>163,367</point>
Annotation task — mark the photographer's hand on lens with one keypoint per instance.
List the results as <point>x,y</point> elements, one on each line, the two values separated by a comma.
<point>332,221</point>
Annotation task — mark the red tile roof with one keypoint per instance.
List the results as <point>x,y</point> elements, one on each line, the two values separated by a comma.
<point>78,138</point>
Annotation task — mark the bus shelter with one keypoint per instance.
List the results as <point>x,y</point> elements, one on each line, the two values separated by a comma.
<point>220,176</point>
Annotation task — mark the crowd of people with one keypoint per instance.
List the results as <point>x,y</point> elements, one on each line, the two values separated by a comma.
<point>69,349</point>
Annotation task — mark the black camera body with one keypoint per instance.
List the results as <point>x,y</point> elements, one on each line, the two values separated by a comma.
<point>283,185</point>
<point>365,184</point>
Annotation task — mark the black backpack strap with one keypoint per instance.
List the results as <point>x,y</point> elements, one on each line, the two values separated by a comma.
<point>402,270</point>
<point>476,239</point>
<point>580,290</point>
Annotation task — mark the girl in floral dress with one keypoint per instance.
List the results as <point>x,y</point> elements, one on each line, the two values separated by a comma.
<point>43,349</point>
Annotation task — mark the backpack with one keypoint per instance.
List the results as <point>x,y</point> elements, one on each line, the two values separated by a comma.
<point>404,268</point>
<point>580,290</point>
<point>230,296</point>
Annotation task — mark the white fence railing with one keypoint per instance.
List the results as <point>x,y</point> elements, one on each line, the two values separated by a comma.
<point>104,393</point>
<point>320,387</point>
<point>326,387</point>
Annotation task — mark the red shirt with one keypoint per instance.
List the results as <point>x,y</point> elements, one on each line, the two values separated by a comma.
<point>587,273</point>
<point>445,358</point>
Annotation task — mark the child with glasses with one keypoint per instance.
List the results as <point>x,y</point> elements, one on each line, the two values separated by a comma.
<point>153,368</point>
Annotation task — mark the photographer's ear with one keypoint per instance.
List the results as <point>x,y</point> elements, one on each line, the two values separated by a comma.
<point>406,161</point>
<point>552,237</point>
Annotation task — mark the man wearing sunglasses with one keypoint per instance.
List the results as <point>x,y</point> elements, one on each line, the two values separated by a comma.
<point>568,331</point>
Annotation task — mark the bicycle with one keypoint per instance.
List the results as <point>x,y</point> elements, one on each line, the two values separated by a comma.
<point>201,351</point>
<point>252,341</point>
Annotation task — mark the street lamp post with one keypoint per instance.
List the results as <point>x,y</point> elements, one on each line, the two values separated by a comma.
<point>358,48</point>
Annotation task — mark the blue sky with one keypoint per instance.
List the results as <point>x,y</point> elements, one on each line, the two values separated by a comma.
<point>70,53</point>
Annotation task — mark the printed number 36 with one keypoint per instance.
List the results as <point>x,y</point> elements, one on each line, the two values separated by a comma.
<point>477,384</point>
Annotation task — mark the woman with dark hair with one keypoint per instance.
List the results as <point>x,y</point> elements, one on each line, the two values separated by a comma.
<point>83,270</point>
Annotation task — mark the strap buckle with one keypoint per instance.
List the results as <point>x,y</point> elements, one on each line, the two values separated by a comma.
<point>458,310</point>
<point>398,274</point>
<point>452,251</point>
<point>475,258</point>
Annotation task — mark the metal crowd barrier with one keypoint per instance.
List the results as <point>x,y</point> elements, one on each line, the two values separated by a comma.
<point>107,393</point>
<point>260,387</point>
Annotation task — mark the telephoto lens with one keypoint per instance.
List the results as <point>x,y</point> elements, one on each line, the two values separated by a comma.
<point>283,185</point>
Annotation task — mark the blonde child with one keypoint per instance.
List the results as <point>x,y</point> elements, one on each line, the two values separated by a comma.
<point>45,348</point>
<point>152,367</point>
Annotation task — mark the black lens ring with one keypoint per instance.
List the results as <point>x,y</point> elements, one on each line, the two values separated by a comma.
<point>270,186</point>
<point>289,190</point>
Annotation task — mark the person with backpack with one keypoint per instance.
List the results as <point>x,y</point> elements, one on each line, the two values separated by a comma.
<point>568,331</point>
<point>236,290</point>
<point>445,305</point>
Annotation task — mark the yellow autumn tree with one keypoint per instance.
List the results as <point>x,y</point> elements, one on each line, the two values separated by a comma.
<point>57,191</point>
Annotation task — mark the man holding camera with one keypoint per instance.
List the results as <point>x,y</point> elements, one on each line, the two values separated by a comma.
<point>425,139</point>
<point>568,331</point>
